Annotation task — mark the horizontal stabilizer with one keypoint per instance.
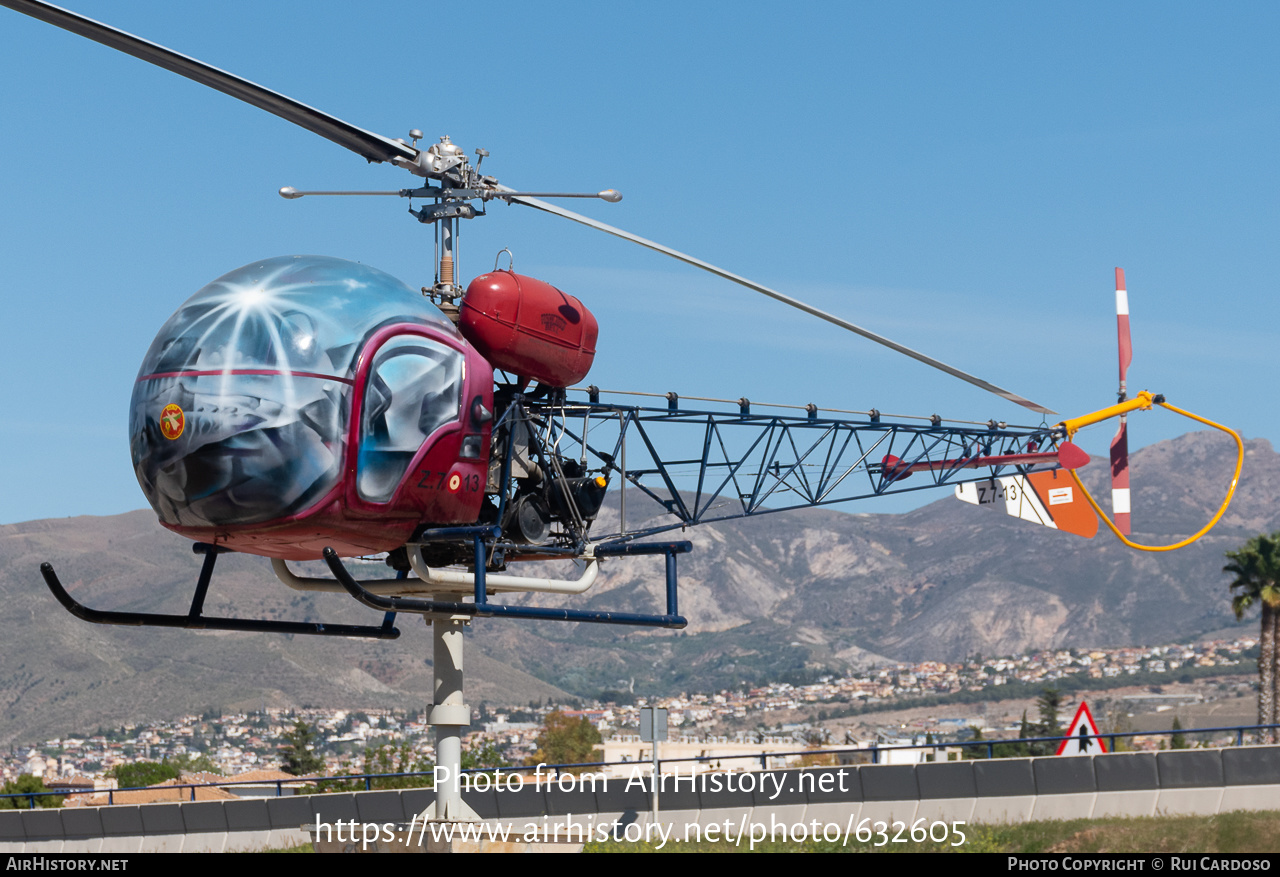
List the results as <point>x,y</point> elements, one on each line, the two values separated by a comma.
<point>1047,498</point>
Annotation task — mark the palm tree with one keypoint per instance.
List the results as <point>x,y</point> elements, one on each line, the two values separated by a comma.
<point>1256,567</point>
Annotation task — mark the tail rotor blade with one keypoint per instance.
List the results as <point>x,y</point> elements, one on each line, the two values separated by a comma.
<point>1122,330</point>
<point>1120,478</point>
<point>1120,444</point>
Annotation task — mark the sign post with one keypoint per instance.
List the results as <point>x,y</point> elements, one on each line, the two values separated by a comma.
<point>653,729</point>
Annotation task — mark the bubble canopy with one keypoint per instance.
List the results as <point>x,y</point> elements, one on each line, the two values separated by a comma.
<point>240,408</point>
<point>299,313</point>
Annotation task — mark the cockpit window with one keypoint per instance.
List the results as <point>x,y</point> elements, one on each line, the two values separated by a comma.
<point>414,387</point>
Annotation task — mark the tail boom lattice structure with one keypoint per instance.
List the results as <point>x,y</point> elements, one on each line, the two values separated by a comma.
<point>703,466</point>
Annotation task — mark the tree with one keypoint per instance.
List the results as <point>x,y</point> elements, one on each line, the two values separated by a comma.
<point>566,740</point>
<point>390,758</point>
<point>1049,703</point>
<point>298,759</point>
<point>483,753</point>
<point>815,738</point>
<point>1178,740</point>
<point>26,783</point>
<point>143,773</point>
<point>1018,750</point>
<point>189,763</point>
<point>1115,720</point>
<point>1256,567</point>
<point>975,735</point>
<point>1013,750</point>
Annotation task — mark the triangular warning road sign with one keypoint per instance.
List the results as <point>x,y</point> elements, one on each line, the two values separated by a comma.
<point>1082,735</point>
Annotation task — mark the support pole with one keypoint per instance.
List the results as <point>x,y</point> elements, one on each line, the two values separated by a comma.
<point>657,780</point>
<point>653,729</point>
<point>449,714</point>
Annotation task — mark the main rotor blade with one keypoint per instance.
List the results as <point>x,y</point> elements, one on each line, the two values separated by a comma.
<point>785,299</point>
<point>373,147</point>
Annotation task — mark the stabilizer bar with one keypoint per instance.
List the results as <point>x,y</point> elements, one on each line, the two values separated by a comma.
<point>195,620</point>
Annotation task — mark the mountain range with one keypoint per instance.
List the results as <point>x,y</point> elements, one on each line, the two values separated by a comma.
<point>789,595</point>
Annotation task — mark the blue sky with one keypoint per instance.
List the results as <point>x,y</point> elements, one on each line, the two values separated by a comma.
<point>960,177</point>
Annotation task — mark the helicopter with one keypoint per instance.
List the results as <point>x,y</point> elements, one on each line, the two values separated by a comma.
<point>308,407</point>
<point>302,408</point>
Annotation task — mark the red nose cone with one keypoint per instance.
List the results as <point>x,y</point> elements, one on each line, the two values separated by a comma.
<point>1071,456</point>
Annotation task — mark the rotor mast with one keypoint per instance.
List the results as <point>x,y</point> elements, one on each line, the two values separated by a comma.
<point>461,183</point>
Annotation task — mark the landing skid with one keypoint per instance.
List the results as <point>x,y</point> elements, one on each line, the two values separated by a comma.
<point>449,714</point>
<point>195,620</point>
<point>432,608</point>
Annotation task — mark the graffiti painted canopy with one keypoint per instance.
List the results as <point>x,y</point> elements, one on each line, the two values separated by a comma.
<point>240,410</point>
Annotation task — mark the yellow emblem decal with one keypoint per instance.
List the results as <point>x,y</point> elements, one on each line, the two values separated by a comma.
<point>172,421</point>
<point>455,481</point>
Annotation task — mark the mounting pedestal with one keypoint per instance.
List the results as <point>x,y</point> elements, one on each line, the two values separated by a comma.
<point>449,714</point>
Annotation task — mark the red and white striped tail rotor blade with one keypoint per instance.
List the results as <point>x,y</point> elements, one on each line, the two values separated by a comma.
<point>1120,444</point>
<point>1120,478</point>
<point>1122,327</point>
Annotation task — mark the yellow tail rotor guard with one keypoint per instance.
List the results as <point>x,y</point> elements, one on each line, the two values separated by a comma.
<point>1143,402</point>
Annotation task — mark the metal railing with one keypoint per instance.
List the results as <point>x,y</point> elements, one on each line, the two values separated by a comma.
<point>875,754</point>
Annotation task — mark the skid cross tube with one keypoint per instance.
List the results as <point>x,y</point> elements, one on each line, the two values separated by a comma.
<point>482,608</point>
<point>194,620</point>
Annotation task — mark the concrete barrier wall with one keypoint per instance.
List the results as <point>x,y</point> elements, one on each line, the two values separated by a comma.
<point>1194,781</point>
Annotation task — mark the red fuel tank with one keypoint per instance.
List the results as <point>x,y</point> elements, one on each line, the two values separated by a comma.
<point>529,328</point>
